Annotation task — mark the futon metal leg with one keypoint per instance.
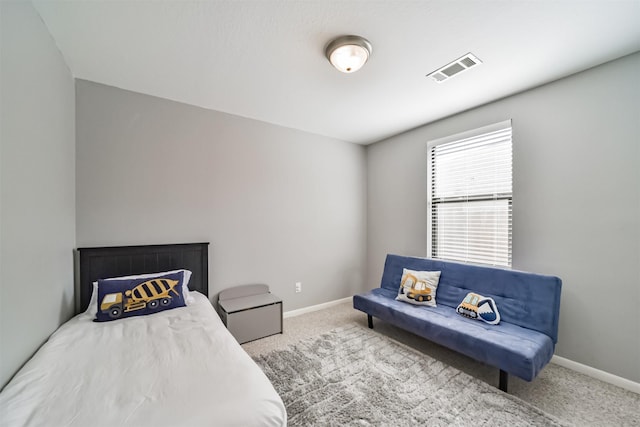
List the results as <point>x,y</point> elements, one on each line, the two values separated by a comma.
<point>504,380</point>
<point>370,321</point>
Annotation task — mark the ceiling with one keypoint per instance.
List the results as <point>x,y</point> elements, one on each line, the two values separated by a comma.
<point>265,59</point>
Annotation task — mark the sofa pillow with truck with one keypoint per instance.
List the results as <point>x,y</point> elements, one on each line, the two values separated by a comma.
<point>475,306</point>
<point>418,287</point>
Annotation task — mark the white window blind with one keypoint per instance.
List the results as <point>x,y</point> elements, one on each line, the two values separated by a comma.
<point>470,196</point>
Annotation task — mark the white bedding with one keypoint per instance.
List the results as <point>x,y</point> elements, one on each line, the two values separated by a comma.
<point>178,367</point>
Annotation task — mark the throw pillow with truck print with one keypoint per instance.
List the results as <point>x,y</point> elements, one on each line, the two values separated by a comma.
<point>418,287</point>
<point>138,297</point>
<point>475,306</point>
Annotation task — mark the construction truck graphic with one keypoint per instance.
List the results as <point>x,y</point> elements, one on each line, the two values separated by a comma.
<point>418,290</point>
<point>476,306</point>
<point>152,294</point>
<point>469,306</point>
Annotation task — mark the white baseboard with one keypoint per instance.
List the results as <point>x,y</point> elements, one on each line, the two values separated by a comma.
<point>317,307</point>
<point>597,374</point>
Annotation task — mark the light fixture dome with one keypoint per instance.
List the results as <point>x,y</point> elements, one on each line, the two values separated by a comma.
<point>348,53</point>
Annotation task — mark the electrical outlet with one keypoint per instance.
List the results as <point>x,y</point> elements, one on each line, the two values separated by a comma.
<point>298,287</point>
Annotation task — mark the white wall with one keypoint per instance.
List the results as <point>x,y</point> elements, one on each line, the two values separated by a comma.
<point>576,204</point>
<point>37,175</point>
<point>278,205</point>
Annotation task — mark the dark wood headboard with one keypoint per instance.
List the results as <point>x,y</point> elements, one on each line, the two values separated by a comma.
<point>115,261</point>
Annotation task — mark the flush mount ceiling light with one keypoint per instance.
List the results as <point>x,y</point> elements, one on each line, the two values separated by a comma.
<point>348,53</point>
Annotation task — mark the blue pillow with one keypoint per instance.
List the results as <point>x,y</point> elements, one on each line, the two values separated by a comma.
<point>118,299</point>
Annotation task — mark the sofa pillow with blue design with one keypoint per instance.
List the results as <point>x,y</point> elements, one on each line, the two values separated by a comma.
<point>475,306</point>
<point>138,296</point>
<point>418,287</point>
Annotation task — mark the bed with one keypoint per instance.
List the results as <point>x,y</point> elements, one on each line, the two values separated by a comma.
<point>178,367</point>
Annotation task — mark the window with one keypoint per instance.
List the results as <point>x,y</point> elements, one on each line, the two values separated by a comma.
<point>470,193</point>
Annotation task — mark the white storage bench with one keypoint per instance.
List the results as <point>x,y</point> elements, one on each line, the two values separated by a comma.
<point>250,312</point>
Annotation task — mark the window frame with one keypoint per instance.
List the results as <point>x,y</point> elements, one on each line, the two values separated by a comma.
<point>431,230</point>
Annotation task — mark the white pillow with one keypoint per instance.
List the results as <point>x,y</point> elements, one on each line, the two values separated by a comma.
<point>418,287</point>
<point>92,309</point>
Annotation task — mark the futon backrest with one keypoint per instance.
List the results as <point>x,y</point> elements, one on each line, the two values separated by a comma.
<point>525,299</point>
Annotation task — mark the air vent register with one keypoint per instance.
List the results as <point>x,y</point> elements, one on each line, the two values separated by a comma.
<point>459,65</point>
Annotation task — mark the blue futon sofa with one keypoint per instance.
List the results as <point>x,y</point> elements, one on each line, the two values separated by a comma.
<point>529,304</point>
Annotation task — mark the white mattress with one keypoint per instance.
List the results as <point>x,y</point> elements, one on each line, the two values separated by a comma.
<point>179,367</point>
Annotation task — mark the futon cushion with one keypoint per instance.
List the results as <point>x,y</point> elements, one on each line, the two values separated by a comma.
<point>139,296</point>
<point>519,351</point>
<point>525,299</point>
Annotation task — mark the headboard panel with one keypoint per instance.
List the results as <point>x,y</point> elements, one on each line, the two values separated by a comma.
<point>105,262</point>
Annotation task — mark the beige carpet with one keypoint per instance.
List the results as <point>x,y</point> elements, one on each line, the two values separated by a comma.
<point>558,391</point>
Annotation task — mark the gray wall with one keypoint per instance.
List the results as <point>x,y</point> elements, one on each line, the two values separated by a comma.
<point>576,204</point>
<point>278,205</point>
<point>37,177</point>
